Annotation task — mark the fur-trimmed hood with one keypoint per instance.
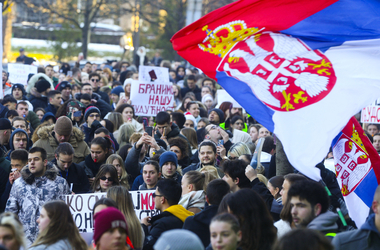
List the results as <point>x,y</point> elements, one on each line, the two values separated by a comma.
<point>34,79</point>
<point>51,173</point>
<point>47,132</point>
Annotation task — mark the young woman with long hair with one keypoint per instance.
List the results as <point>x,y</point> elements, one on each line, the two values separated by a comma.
<point>225,232</point>
<point>106,178</point>
<point>118,163</point>
<point>124,203</point>
<point>57,229</point>
<point>255,220</point>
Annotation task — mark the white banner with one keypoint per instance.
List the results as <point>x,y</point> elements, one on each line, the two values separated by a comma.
<point>370,114</point>
<point>18,73</point>
<point>150,98</point>
<point>153,74</point>
<point>81,206</point>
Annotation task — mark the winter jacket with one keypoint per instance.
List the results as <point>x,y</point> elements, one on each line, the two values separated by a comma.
<point>49,143</point>
<point>30,193</point>
<point>197,91</point>
<point>32,118</point>
<point>200,223</point>
<point>89,132</point>
<point>175,131</point>
<point>263,191</point>
<point>11,142</point>
<point>32,81</point>
<point>75,177</point>
<point>132,164</point>
<point>367,237</point>
<point>171,218</point>
<point>325,223</point>
<point>90,167</point>
<point>4,189</point>
<point>51,108</point>
<point>103,95</point>
<point>63,244</point>
<point>37,100</point>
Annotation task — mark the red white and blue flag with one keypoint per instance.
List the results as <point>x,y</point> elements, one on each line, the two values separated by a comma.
<point>357,167</point>
<point>301,68</point>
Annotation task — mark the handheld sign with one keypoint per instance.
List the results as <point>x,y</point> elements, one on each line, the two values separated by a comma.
<point>18,73</point>
<point>81,206</point>
<point>153,74</point>
<point>149,98</point>
<point>370,114</point>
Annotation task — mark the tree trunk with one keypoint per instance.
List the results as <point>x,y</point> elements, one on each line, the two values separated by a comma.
<point>86,32</point>
<point>283,165</point>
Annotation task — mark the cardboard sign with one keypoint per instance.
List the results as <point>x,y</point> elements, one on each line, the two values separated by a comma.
<point>81,206</point>
<point>153,74</point>
<point>223,96</point>
<point>150,98</point>
<point>18,73</point>
<point>370,114</point>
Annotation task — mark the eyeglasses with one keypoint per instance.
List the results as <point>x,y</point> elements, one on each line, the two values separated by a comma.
<point>154,195</point>
<point>232,158</point>
<point>95,80</point>
<point>94,115</point>
<point>103,178</point>
<point>212,127</point>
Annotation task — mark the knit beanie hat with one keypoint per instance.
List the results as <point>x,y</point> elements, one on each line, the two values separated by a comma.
<point>168,156</point>
<point>90,110</point>
<point>207,97</point>
<point>63,126</point>
<point>179,239</point>
<point>19,86</point>
<point>107,219</point>
<point>117,90</point>
<point>42,85</point>
<point>220,114</point>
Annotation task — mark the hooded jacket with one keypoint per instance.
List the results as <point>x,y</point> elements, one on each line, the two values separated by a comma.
<point>325,223</point>
<point>367,237</point>
<point>28,146</point>
<point>30,193</point>
<point>38,100</point>
<point>75,177</point>
<point>171,218</point>
<point>200,223</point>
<point>49,143</point>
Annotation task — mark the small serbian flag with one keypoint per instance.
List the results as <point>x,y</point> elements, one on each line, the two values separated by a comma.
<point>357,168</point>
<point>301,68</point>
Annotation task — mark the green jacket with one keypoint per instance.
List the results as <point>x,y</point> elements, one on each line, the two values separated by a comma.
<point>33,119</point>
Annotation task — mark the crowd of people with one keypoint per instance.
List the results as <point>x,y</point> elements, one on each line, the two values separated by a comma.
<point>75,131</point>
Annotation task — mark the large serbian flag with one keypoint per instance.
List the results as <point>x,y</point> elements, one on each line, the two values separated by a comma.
<point>301,68</point>
<point>357,166</point>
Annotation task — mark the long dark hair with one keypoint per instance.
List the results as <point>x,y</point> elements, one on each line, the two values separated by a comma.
<point>60,227</point>
<point>255,220</point>
<point>104,169</point>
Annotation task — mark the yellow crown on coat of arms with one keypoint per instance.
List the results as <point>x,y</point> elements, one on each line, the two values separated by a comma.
<point>224,37</point>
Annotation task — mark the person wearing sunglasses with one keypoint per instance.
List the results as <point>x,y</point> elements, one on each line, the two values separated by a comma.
<point>95,83</point>
<point>106,178</point>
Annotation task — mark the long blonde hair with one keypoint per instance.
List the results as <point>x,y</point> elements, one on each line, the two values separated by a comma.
<point>12,222</point>
<point>124,175</point>
<point>125,204</point>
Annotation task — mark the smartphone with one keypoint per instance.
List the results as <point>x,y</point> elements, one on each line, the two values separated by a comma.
<point>122,95</point>
<point>152,75</point>
<point>77,113</point>
<point>69,73</point>
<point>220,143</point>
<point>149,130</point>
